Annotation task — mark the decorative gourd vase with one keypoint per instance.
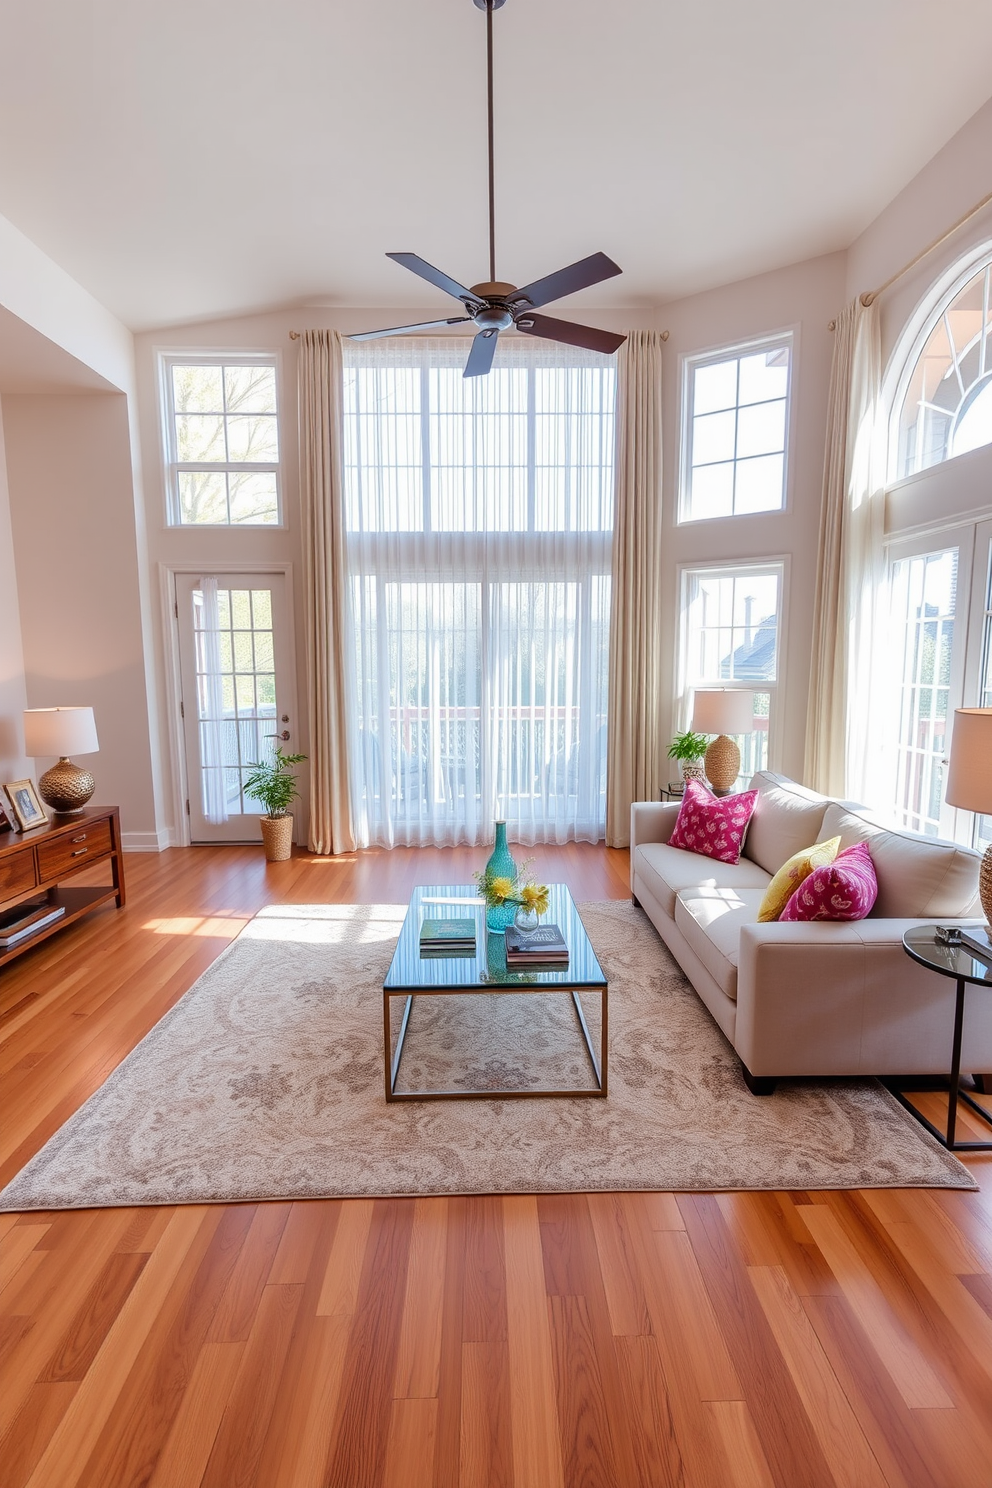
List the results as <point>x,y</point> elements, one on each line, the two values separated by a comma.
<point>500,865</point>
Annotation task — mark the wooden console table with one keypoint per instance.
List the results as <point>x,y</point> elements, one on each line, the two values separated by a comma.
<point>47,856</point>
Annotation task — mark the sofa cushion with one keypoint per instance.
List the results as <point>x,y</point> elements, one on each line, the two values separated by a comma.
<point>712,826</point>
<point>918,877</point>
<point>792,873</point>
<point>666,870</point>
<point>786,818</point>
<point>845,889</point>
<point>710,918</point>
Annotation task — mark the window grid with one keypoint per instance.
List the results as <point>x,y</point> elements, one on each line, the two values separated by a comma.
<point>730,625</point>
<point>223,441</point>
<point>735,434</point>
<point>924,595</point>
<point>245,642</point>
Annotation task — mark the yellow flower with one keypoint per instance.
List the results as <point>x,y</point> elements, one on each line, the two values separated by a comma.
<point>535,897</point>
<point>500,889</point>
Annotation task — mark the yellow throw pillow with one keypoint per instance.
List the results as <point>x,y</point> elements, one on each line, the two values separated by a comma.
<point>791,874</point>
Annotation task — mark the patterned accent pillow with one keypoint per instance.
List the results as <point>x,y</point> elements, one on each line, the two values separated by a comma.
<point>792,873</point>
<point>845,890</point>
<point>713,826</point>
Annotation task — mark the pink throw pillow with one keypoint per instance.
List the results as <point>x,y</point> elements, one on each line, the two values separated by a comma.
<point>845,889</point>
<point>712,825</point>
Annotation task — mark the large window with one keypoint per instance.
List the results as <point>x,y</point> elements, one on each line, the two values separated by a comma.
<point>729,637</point>
<point>479,516</point>
<point>223,441</point>
<point>923,601</point>
<point>946,408</point>
<point>735,434</point>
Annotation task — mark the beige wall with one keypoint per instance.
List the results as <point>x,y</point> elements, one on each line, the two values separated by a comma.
<point>13,764</point>
<point>72,521</point>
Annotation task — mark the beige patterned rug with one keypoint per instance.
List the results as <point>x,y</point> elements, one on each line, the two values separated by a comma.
<point>266,1082</point>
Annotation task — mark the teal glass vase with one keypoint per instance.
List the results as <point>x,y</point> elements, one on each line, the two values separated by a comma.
<point>500,865</point>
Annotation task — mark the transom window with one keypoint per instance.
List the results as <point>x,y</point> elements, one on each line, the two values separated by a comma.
<point>730,624</point>
<point>736,430</point>
<point>947,406</point>
<point>223,433</point>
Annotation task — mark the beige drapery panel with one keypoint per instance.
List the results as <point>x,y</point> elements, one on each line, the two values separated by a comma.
<point>325,591</point>
<point>634,750</point>
<point>844,694</point>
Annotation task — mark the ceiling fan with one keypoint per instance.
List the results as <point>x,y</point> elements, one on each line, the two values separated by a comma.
<point>495,306</point>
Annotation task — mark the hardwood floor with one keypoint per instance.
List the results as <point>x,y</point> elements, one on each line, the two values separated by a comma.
<point>802,1340</point>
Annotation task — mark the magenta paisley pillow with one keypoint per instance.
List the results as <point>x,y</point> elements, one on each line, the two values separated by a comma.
<point>845,889</point>
<point>712,825</point>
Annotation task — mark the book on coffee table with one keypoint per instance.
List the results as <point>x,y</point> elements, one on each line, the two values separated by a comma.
<point>447,937</point>
<point>545,945</point>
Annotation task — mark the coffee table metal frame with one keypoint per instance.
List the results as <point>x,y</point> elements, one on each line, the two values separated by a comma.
<point>957,962</point>
<point>474,981</point>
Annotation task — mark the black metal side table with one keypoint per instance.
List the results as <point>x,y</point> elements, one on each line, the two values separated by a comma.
<point>958,962</point>
<point>672,792</point>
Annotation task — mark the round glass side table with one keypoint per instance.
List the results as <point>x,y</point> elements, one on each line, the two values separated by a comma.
<point>952,961</point>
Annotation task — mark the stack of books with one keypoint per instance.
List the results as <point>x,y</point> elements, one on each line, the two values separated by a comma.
<point>544,947</point>
<point>448,937</point>
<point>24,920</point>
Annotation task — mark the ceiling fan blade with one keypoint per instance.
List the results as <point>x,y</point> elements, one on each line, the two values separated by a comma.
<point>424,325</point>
<point>427,271</point>
<point>572,334</point>
<point>480,358</point>
<point>591,270</point>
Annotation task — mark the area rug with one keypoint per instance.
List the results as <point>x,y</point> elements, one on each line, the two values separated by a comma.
<point>265,1081</point>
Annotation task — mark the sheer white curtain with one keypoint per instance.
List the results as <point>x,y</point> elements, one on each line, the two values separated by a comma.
<point>849,687</point>
<point>479,517</point>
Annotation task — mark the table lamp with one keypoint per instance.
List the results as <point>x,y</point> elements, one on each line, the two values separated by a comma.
<point>62,731</point>
<point>722,711</point>
<point>969,780</point>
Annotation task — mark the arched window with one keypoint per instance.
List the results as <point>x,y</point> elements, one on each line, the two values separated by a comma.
<point>946,408</point>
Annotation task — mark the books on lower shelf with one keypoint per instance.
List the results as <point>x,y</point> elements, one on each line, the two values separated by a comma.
<point>447,937</point>
<point>24,920</point>
<point>977,939</point>
<point>544,946</point>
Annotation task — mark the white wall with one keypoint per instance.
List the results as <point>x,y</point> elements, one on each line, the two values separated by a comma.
<point>13,695</point>
<point>72,521</point>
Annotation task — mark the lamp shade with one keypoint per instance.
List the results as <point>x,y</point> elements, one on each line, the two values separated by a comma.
<point>969,773</point>
<point>722,711</point>
<point>59,731</point>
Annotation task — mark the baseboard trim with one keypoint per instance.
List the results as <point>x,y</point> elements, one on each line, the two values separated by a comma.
<point>142,842</point>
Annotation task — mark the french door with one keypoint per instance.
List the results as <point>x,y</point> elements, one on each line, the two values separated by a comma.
<point>237,696</point>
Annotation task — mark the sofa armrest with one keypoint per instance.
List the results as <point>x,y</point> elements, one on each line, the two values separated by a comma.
<point>845,998</point>
<point>652,821</point>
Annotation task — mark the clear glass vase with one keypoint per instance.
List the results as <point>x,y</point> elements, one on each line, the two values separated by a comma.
<point>500,865</point>
<point>526,920</point>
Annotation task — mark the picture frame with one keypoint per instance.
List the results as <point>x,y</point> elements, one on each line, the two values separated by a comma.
<point>25,804</point>
<point>6,812</point>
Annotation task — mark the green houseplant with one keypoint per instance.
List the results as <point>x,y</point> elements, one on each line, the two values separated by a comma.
<point>274,784</point>
<point>688,748</point>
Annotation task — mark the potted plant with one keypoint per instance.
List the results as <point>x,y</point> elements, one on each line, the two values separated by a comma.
<point>274,784</point>
<point>688,748</point>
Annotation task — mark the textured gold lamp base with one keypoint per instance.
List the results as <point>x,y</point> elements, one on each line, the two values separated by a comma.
<point>723,763</point>
<point>985,884</point>
<point>65,787</point>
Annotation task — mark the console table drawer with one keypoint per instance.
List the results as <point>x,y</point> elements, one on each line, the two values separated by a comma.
<point>73,850</point>
<point>17,873</point>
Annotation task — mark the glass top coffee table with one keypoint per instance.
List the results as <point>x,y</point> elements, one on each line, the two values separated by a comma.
<point>411,975</point>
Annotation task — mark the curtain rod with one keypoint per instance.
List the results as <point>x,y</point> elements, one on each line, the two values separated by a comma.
<point>870,295</point>
<point>295,335</point>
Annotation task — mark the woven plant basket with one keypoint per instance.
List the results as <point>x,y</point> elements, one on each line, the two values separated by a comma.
<point>277,837</point>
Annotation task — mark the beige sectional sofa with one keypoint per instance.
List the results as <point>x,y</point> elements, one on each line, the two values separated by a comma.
<point>821,998</point>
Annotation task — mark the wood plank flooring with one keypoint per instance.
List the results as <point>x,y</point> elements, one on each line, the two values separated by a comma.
<point>789,1340</point>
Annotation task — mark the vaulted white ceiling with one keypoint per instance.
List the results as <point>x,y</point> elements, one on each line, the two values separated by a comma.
<point>197,158</point>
